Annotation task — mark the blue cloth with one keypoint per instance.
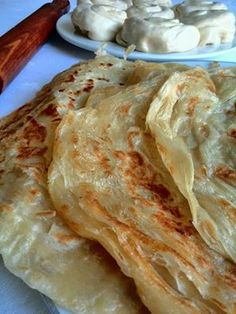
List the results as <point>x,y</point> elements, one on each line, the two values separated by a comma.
<point>16,297</point>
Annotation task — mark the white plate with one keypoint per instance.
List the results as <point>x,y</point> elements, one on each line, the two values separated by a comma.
<point>66,30</point>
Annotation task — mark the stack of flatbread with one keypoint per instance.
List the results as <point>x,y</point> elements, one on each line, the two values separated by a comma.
<point>118,189</point>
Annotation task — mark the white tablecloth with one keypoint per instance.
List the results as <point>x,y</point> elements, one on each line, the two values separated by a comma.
<point>55,56</point>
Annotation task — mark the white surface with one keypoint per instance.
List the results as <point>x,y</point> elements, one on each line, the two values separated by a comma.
<point>66,30</point>
<point>55,56</point>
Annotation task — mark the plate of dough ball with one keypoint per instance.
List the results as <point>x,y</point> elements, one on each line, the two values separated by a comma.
<point>151,29</point>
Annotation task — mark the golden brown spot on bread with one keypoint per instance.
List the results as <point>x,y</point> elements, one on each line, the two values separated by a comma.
<point>173,210</point>
<point>192,104</point>
<point>180,87</point>
<point>230,279</point>
<point>158,189</point>
<point>75,154</point>
<point>232,133</point>
<point>47,213</point>
<point>27,152</point>
<point>94,204</point>
<point>10,131</point>
<point>2,158</point>
<point>194,74</point>
<point>51,111</point>
<point>135,167</point>
<point>225,173</point>
<point>57,119</point>
<point>34,131</point>
<point>133,210</point>
<point>183,229</point>
<point>104,65</point>
<point>119,155</point>
<point>124,109</point>
<point>224,203</point>
<point>220,305</point>
<point>71,105</point>
<point>204,129</point>
<point>204,171</point>
<point>34,191</point>
<point>201,172</point>
<point>161,149</point>
<point>70,79</point>
<point>87,88</point>
<point>103,79</point>
<point>64,208</point>
<point>73,225</point>
<point>74,137</point>
<point>104,161</point>
<point>131,136</point>
<point>138,173</point>
<point>135,158</point>
<point>15,118</point>
<point>64,238</point>
<point>6,208</point>
<point>231,210</point>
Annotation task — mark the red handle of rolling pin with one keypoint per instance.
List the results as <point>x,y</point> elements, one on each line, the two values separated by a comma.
<point>19,44</point>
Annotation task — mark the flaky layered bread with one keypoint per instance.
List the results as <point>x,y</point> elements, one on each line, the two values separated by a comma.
<point>108,182</point>
<point>35,243</point>
<point>194,125</point>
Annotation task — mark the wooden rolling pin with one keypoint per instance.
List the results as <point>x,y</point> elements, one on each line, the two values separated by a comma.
<point>19,44</point>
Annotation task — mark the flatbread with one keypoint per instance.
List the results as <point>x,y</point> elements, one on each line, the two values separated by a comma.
<point>35,243</point>
<point>108,182</point>
<point>194,123</point>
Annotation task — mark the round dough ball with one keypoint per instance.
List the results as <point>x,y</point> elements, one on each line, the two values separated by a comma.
<point>152,11</point>
<point>215,26</point>
<point>158,35</point>
<point>142,3</point>
<point>119,4</point>
<point>189,6</point>
<point>214,21</point>
<point>99,22</point>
